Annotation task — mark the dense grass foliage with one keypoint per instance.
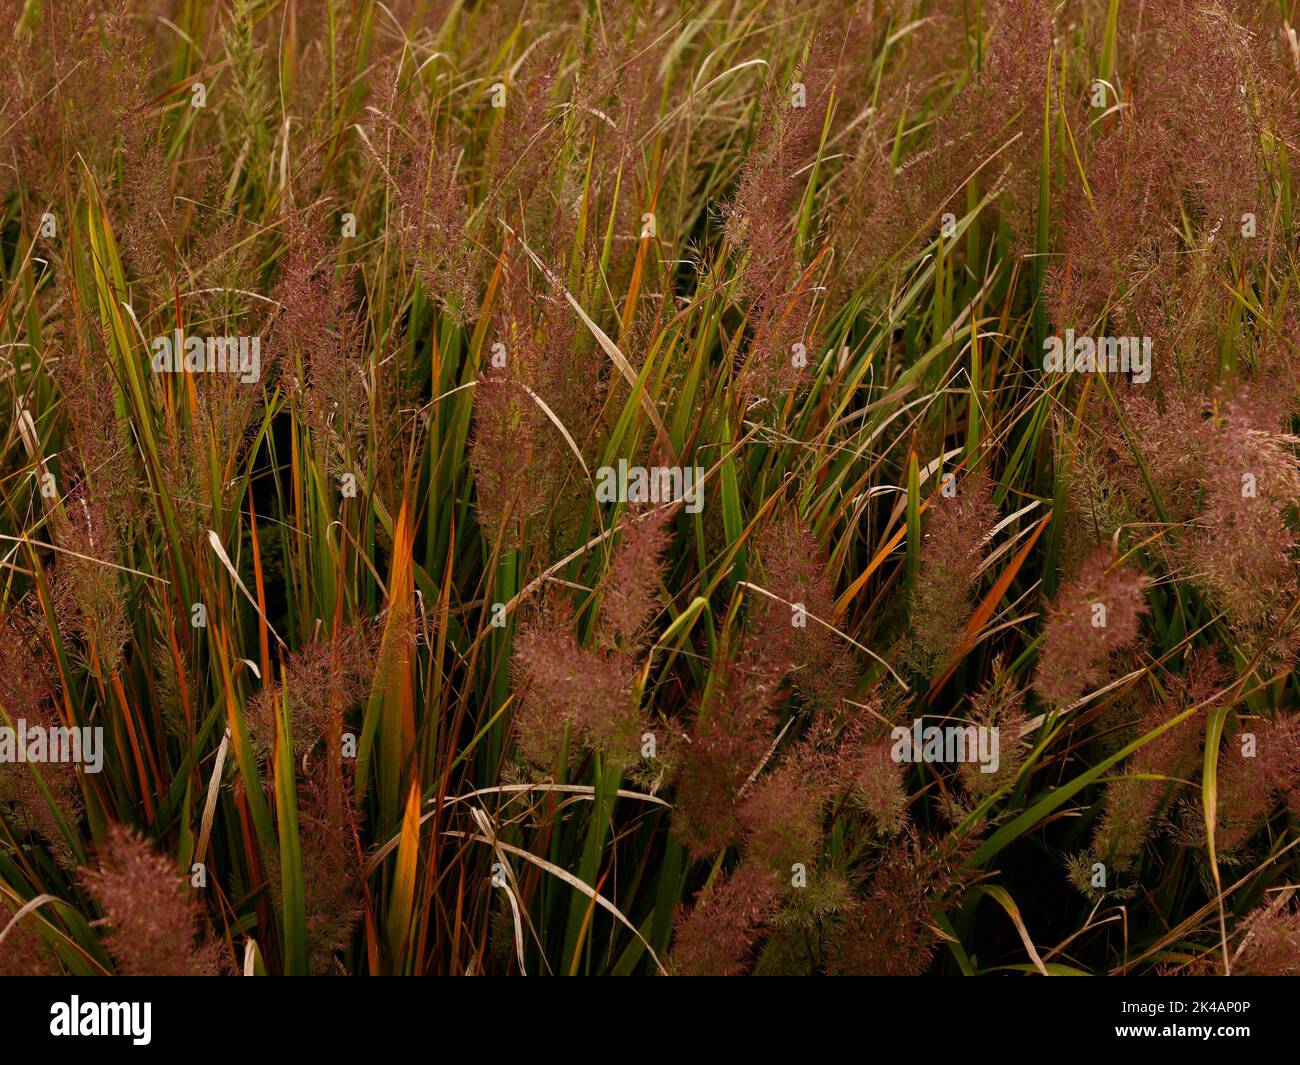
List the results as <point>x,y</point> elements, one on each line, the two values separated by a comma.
<point>638,418</point>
